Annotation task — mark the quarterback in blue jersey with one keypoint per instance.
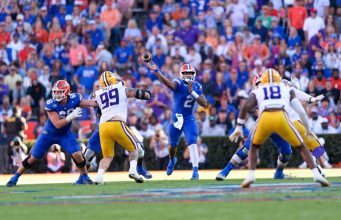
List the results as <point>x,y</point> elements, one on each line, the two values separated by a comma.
<point>94,145</point>
<point>186,93</point>
<point>62,109</point>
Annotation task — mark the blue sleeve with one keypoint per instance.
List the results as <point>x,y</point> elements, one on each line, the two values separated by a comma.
<point>77,98</point>
<point>177,84</point>
<point>79,71</point>
<point>199,89</point>
<point>49,105</point>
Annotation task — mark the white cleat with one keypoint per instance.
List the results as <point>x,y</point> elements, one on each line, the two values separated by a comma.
<point>220,177</point>
<point>136,177</point>
<point>247,182</point>
<point>319,178</point>
<point>99,180</point>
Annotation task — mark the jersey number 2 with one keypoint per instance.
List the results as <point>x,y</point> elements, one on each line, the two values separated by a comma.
<point>110,98</point>
<point>189,101</point>
<point>275,92</point>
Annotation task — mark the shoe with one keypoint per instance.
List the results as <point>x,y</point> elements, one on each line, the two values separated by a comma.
<point>11,183</point>
<point>136,177</point>
<point>83,180</point>
<point>220,177</point>
<point>319,178</point>
<point>247,182</point>
<point>143,172</point>
<point>279,175</point>
<point>170,167</point>
<point>195,175</point>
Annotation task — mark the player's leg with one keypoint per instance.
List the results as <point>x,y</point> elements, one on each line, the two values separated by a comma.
<point>126,139</point>
<point>41,146</point>
<point>289,133</point>
<point>259,135</point>
<point>140,169</point>
<point>107,145</point>
<point>174,137</point>
<point>70,144</point>
<point>285,152</point>
<point>238,157</point>
<point>93,147</point>
<point>191,131</point>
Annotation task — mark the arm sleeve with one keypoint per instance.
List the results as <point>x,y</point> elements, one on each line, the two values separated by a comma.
<point>302,95</point>
<point>177,84</point>
<point>297,106</point>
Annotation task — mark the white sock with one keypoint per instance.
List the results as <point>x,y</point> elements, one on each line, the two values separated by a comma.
<point>133,164</point>
<point>251,175</point>
<point>100,174</point>
<point>194,155</point>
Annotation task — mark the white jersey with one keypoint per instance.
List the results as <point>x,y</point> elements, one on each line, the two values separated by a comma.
<point>113,102</point>
<point>273,96</point>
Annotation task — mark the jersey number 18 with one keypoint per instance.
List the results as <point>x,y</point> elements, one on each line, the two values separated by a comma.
<point>110,98</point>
<point>274,91</point>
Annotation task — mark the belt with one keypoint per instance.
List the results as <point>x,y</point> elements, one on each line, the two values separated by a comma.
<point>273,109</point>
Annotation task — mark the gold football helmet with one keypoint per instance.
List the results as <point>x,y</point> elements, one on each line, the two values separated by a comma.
<point>270,76</point>
<point>107,79</point>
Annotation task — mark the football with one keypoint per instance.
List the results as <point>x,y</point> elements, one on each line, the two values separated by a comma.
<point>146,57</point>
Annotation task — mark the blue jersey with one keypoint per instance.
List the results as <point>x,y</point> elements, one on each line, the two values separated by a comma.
<point>183,102</point>
<point>73,101</point>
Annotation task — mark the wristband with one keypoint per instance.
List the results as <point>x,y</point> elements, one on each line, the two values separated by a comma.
<point>240,121</point>
<point>156,71</point>
<point>194,94</point>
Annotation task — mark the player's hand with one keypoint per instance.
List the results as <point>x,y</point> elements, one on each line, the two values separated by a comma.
<point>238,132</point>
<point>76,113</point>
<point>317,98</point>
<point>190,87</point>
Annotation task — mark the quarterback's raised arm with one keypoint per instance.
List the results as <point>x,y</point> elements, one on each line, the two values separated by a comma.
<point>138,93</point>
<point>146,57</point>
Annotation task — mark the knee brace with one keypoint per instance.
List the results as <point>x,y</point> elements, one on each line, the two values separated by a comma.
<point>140,150</point>
<point>79,164</point>
<point>89,155</point>
<point>242,153</point>
<point>26,164</point>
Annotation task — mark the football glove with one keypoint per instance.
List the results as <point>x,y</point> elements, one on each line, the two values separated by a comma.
<point>238,132</point>
<point>317,98</point>
<point>76,113</point>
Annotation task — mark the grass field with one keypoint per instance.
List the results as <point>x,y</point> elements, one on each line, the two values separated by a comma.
<point>298,198</point>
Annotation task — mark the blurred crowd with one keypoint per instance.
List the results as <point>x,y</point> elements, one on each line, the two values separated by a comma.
<point>42,41</point>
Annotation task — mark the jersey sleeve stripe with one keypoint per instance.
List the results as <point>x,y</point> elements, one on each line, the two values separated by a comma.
<point>131,138</point>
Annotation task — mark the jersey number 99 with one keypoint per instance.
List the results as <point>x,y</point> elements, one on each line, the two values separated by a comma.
<point>110,98</point>
<point>274,91</point>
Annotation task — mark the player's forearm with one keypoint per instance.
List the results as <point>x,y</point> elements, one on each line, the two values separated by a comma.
<point>170,84</point>
<point>302,95</point>
<point>88,103</point>
<point>60,123</point>
<point>202,101</point>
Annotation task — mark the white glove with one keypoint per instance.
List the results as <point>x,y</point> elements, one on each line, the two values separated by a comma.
<point>76,113</point>
<point>238,132</point>
<point>317,98</point>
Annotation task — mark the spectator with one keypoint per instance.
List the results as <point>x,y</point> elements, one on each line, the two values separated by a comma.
<point>36,93</point>
<point>260,30</point>
<point>315,120</point>
<point>238,14</point>
<point>159,143</point>
<point>213,129</point>
<point>296,16</point>
<point>312,25</point>
<point>15,125</point>
<point>4,35</point>
<point>112,18</point>
<point>256,51</point>
<point>188,33</point>
<point>86,75</point>
<point>325,128</point>
<point>77,53</point>
<point>55,159</point>
<point>132,33</point>
<point>4,90</point>
<point>18,152</point>
<point>12,78</point>
<point>16,45</point>
<point>123,55</point>
<point>145,130</point>
<point>159,101</point>
<point>18,93</point>
<point>223,121</point>
<point>325,109</point>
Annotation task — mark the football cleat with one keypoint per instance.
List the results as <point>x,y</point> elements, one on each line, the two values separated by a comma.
<point>83,180</point>
<point>171,165</point>
<point>319,178</point>
<point>247,182</point>
<point>136,177</point>
<point>143,172</point>
<point>279,175</point>
<point>11,183</point>
<point>220,177</point>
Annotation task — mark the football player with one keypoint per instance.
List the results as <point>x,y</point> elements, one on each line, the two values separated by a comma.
<point>186,92</point>
<point>62,109</point>
<point>112,99</point>
<point>273,100</point>
<point>94,147</point>
<point>283,147</point>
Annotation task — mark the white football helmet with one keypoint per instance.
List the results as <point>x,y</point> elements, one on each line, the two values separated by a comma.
<point>187,73</point>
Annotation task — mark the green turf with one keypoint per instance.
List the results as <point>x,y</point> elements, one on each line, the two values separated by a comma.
<point>193,200</point>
